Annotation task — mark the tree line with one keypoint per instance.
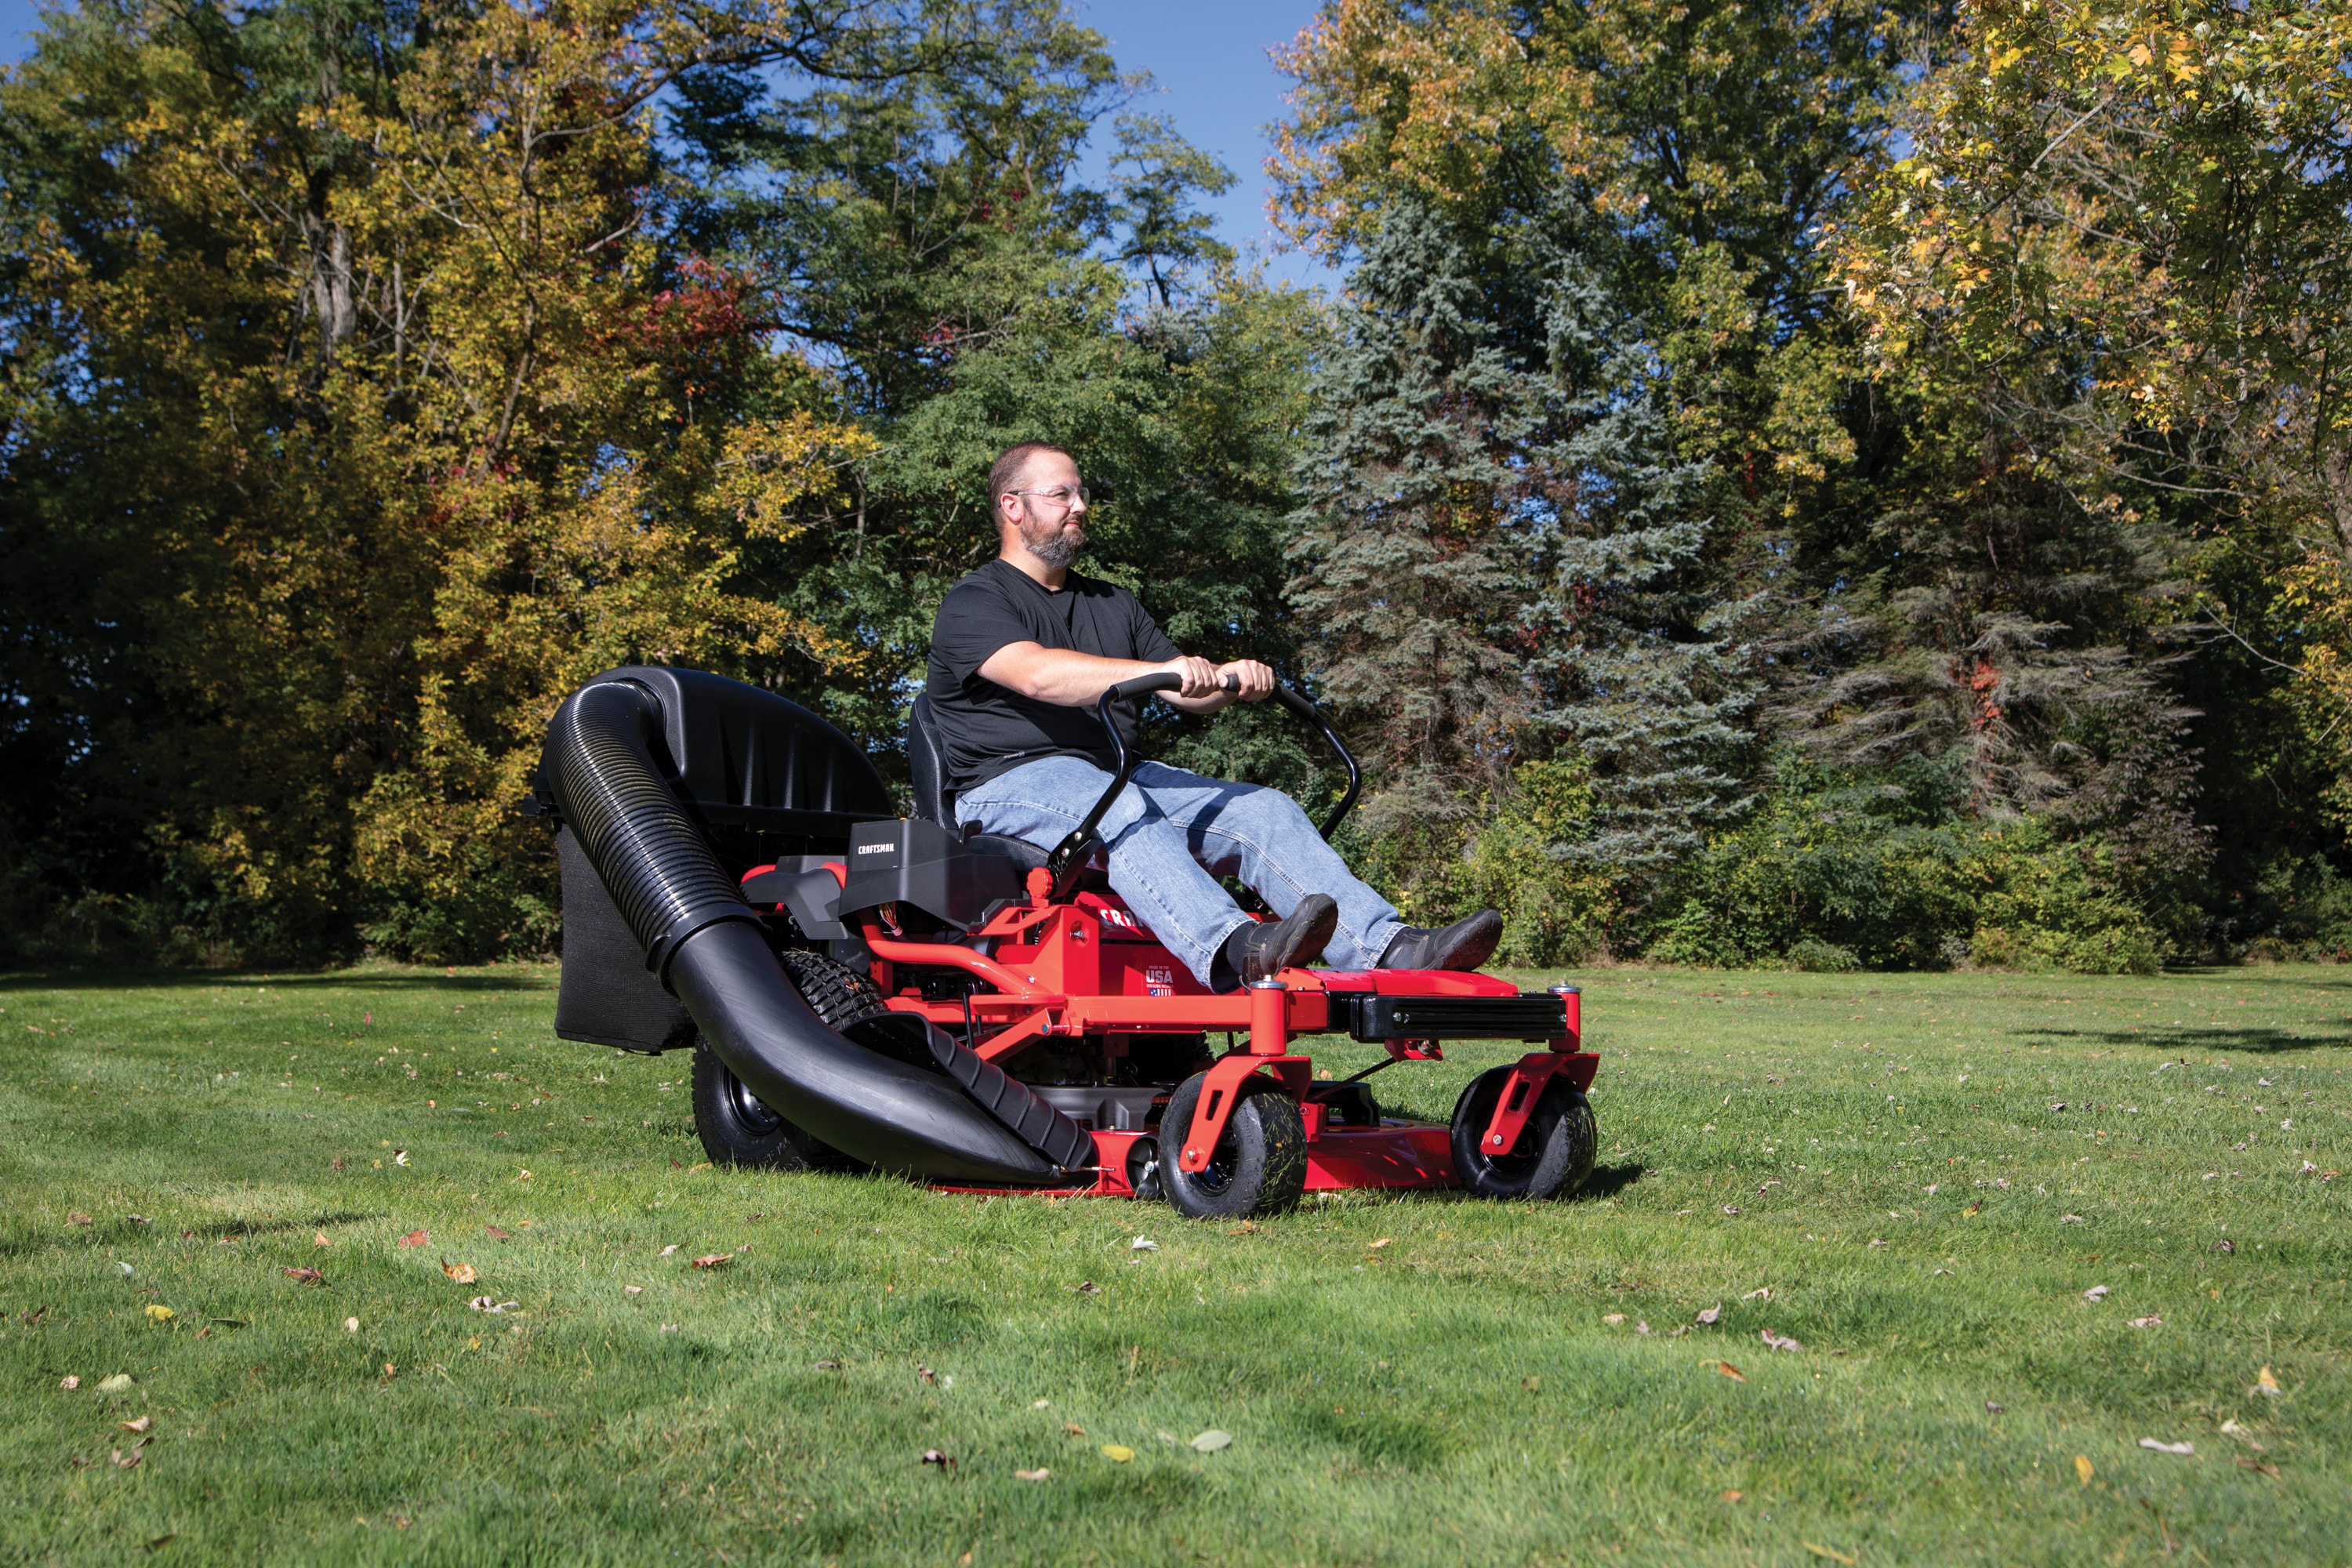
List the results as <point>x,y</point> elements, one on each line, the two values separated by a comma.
<point>1821,484</point>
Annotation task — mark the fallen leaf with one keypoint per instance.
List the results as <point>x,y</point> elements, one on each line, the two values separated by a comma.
<point>127,1461</point>
<point>1039,1404</point>
<point>1087,1288</point>
<point>388,1370</point>
<point>926,1374</point>
<point>463,1273</point>
<point>1613,1317</point>
<point>400,1157</point>
<point>1763,1293</point>
<point>483,1303</point>
<point>2071,1219</point>
<point>933,1456</point>
<point>828,1366</point>
<point>138,1219</point>
<point>76,1219</point>
<point>1118,1453</point>
<point>1709,1314</point>
<point>1831,1552</point>
<point>415,1238</point>
<point>1642,1326</point>
<point>2266,1383</point>
<point>672,1246</point>
<point>1246,1227</point>
<point>2083,1471</point>
<point>2153,1446</point>
<point>306,1276</point>
<point>1383,1241</point>
<point>350,1325</point>
<point>1780,1342</point>
<point>714,1259</point>
<point>1074,1429</point>
<point>159,1312</point>
<point>1036,1475</point>
<point>2225,1245</point>
<point>320,1241</point>
<point>337,1163</point>
<point>1531,1383</point>
<point>1732,1371</point>
<point>139,1426</point>
<point>523,1176</point>
<point>497,1234</point>
<point>2243,1463</point>
<point>1731,1497</point>
<point>633,1289</point>
<point>1992,1409</point>
<point>69,1383</point>
<point>2150,1321</point>
<point>1141,1245</point>
<point>1972,1208</point>
<point>1210,1441</point>
<point>1730,1208</point>
<point>2096,1292</point>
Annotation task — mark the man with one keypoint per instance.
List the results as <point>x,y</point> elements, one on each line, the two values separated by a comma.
<point>1022,650</point>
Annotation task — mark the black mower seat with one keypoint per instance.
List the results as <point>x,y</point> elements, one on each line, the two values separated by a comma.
<point>935,801</point>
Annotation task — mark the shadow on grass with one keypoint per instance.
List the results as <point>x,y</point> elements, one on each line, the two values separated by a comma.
<point>2258,1042</point>
<point>308,980</point>
<point>1607,1181</point>
<point>214,1231</point>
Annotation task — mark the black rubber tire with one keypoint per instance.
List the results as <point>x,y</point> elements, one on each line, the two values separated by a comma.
<point>735,1127</point>
<point>1259,1166</point>
<point>1555,1151</point>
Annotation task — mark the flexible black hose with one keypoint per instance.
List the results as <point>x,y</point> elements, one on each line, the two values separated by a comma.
<point>652,857</point>
<point>705,941</point>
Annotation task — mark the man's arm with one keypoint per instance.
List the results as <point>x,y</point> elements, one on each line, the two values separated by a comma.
<point>1072,679</point>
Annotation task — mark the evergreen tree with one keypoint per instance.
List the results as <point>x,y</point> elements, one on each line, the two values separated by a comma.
<point>1421,474</point>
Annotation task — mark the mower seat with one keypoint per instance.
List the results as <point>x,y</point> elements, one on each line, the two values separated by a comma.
<point>935,801</point>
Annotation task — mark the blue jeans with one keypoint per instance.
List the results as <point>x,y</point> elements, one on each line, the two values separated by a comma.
<point>1171,834</point>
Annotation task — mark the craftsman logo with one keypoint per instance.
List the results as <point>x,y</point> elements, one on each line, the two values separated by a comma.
<point>877,848</point>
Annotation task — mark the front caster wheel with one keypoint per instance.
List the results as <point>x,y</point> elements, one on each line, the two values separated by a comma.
<point>1554,1149</point>
<point>1259,1166</point>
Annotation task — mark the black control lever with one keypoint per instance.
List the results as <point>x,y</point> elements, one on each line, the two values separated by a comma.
<point>1064,861</point>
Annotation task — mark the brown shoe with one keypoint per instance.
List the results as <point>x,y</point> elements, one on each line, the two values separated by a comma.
<point>1264,949</point>
<point>1464,944</point>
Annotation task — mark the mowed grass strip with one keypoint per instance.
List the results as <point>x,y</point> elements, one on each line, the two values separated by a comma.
<point>1915,1179</point>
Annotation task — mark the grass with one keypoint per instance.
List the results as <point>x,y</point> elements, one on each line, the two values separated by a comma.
<point>1407,1380</point>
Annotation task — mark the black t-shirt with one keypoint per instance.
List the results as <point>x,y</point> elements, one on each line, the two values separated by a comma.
<point>984,729</point>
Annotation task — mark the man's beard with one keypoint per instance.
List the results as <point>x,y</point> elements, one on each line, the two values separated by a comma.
<point>1056,545</point>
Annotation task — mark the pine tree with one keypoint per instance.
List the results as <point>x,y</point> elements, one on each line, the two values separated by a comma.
<point>1413,547</point>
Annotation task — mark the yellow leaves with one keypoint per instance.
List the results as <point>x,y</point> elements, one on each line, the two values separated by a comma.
<point>768,469</point>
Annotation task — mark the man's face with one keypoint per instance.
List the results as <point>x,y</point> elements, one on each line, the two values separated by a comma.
<point>1052,527</point>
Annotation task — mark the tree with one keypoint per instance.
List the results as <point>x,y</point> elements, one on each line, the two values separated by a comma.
<point>357,413</point>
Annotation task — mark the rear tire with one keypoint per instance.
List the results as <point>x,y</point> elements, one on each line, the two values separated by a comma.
<point>1555,1146</point>
<point>1259,1166</point>
<point>736,1126</point>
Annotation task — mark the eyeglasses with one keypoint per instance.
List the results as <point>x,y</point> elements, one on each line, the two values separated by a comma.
<point>1062,495</point>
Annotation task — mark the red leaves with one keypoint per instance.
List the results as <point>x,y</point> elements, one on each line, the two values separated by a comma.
<point>303,1276</point>
<point>415,1238</point>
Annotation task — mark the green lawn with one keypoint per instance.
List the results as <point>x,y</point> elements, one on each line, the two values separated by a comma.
<point>1406,1380</point>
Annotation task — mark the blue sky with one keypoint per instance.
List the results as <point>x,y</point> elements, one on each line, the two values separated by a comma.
<point>1208,57</point>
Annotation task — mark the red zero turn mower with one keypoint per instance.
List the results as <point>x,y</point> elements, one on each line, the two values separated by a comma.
<point>864,992</point>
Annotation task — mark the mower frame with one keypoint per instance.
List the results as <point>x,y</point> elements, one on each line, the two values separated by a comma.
<point>1071,964</point>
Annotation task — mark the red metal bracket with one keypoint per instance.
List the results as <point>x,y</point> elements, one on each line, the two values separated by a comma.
<point>1525,1087</point>
<point>1223,1092</point>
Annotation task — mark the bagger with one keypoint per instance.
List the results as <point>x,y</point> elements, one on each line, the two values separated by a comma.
<point>862,991</point>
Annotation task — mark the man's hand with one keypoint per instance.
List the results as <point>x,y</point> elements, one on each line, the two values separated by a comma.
<point>1253,681</point>
<point>1200,678</point>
